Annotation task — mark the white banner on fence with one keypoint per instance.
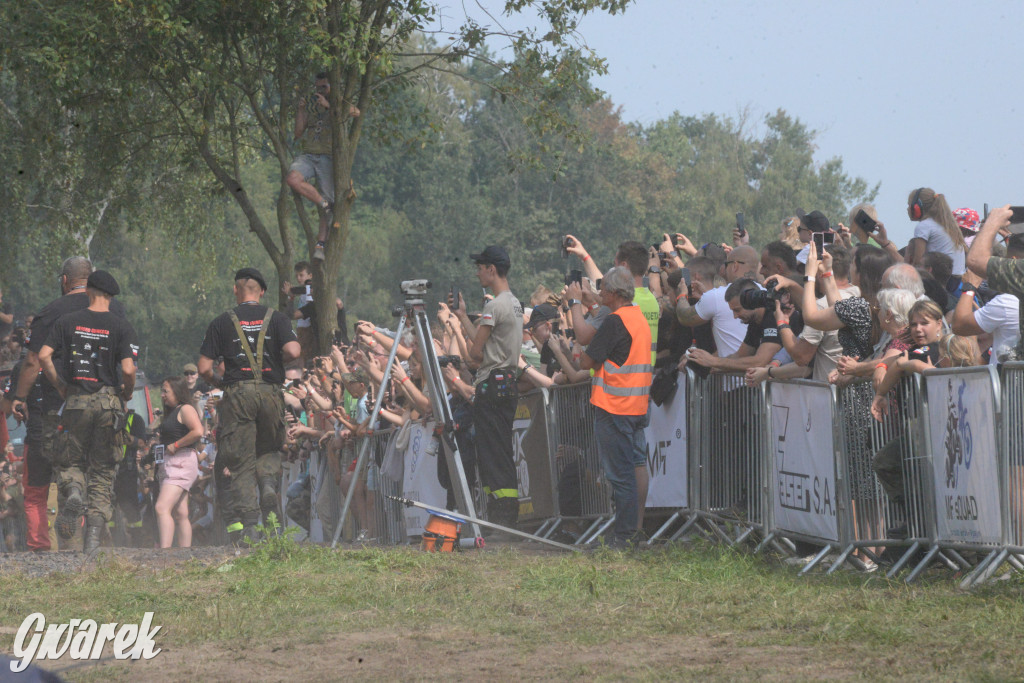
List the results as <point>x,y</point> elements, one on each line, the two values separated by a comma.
<point>666,452</point>
<point>961,423</point>
<point>803,477</point>
<point>420,482</point>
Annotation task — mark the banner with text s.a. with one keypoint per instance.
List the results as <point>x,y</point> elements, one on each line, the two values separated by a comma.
<point>803,476</point>
<point>420,480</point>
<point>962,431</point>
<point>667,462</point>
<point>530,454</point>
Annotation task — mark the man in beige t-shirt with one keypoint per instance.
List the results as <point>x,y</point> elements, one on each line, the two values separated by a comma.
<point>496,344</point>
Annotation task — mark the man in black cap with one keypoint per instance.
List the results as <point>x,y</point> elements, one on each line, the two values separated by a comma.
<point>541,326</point>
<point>94,344</point>
<point>256,342</point>
<point>496,344</point>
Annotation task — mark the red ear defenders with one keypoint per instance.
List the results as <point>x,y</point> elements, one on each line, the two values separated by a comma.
<point>916,209</point>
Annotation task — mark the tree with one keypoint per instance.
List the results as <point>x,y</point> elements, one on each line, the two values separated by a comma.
<point>219,79</point>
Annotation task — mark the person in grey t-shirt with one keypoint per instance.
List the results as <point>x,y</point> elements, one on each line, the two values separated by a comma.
<point>495,348</point>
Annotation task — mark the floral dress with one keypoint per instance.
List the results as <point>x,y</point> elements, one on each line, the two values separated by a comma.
<point>855,338</point>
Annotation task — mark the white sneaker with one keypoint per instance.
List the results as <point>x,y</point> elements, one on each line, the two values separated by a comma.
<point>318,253</point>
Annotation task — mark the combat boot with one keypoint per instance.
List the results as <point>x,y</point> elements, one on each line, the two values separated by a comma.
<point>93,536</point>
<point>70,515</point>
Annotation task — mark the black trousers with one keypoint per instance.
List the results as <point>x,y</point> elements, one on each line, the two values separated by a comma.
<point>494,410</point>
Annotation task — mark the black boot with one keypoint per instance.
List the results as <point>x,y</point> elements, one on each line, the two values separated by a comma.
<point>71,510</point>
<point>504,512</point>
<point>93,535</point>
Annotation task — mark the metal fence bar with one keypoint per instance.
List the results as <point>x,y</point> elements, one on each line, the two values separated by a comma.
<point>582,493</point>
<point>730,453</point>
<point>1012,450</point>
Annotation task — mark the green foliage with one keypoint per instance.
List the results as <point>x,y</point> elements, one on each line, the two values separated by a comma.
<point>155,136</point>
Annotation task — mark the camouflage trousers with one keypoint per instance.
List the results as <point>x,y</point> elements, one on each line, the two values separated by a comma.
<point>250,435</point>
<point>87,447</point>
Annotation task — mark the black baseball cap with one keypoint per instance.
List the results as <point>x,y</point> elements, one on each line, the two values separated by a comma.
<point>541,314</point>
<point>493,255</point>
<point>104,282</point>
<point>815,221</point>
<point>251,274</point>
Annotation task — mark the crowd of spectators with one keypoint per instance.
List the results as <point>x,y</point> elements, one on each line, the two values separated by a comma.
<point>831,301</point>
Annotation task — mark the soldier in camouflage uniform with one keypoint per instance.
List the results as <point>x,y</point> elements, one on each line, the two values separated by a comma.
<point>95,345</point>
<point>255,342</point>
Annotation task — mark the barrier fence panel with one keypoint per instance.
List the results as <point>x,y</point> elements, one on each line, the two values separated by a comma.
<point>290,472</point>
<point>808,489</point>
<point>887,470</point>
<point>581,489</point>
<point>1012,460</point>
<point>668,454</point>
<point>731,455</point>
<point>538,498</point>
<point>963,410</point>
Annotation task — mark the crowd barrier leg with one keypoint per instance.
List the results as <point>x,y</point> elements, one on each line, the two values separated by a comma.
<point>664,527</point>
<point>817,558</point>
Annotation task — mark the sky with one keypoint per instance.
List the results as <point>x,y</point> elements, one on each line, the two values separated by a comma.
<point>908,94</point>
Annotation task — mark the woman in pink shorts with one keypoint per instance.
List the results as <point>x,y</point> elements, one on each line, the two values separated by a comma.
<point>180,432</point>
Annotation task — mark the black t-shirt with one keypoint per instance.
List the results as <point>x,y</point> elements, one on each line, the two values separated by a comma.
<point>925,352</point>
<point>768,331</point>
<point>41,326</point>
<point>93,345</point>
<point>222,341</point>
<point>611,342</point>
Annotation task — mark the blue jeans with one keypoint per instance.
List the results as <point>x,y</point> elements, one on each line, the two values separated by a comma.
<point>618,440</point>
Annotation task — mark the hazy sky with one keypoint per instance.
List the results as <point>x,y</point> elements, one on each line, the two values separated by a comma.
<point>907,93</point>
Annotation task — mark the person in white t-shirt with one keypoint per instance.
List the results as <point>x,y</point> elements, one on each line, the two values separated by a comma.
<point>728,331</point>
<point>936,230</point>
<point>998,320</point>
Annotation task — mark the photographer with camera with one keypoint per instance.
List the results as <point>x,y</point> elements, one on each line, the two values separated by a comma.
<point>755,307</point>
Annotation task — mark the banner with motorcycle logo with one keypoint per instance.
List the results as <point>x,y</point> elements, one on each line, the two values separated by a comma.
<point>962,432</point>
<point>666,452</point>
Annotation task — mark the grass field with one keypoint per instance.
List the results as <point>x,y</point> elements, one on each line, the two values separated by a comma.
<point>299,612</point>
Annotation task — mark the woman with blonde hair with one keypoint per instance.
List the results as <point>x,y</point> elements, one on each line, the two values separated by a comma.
<point>936,230</point>
<point>790,233</point>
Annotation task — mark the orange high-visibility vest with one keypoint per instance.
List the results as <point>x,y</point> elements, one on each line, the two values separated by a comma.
<point>624,389</point>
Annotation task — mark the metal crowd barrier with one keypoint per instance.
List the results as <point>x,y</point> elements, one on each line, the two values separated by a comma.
<point>808,485</point>
<point>728,442</point>
<point>894,446</point>
<point>1011,449</point>
<point>373,517</point>
<point>582,494</point>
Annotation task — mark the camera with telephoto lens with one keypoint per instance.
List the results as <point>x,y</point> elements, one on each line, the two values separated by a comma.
<point>445,361</point>
<point>753,299</point>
